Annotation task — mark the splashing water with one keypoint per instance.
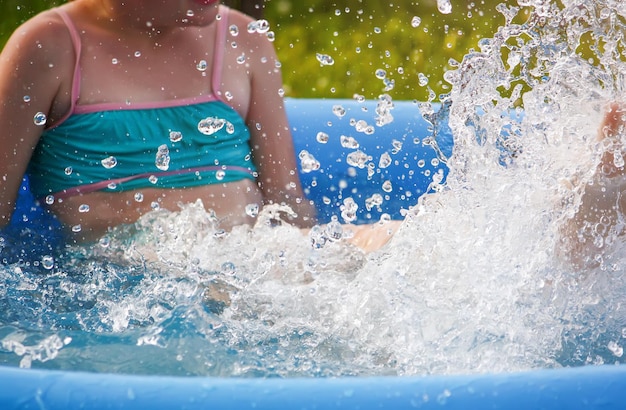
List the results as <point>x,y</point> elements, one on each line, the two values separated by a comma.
<point>472,282</point>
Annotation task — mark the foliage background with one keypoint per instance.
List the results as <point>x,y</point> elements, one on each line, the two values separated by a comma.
<point>362,36</point>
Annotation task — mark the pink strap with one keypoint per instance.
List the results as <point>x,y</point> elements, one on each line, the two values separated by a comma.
<point>97,186</point>
<point>218,51</point>
<point>76,77</point>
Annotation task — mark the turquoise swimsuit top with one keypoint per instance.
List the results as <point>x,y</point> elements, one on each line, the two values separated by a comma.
<point>172,144</point>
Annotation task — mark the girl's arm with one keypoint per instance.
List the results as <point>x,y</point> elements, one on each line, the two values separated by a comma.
<point>33,68</point>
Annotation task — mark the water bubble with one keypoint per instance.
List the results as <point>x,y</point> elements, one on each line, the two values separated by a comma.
<point>385,160</point>
<point>233,30</point>
<point>322,137</point>
<point>271,36</point>
<point>109,162</point>
<point>380,74</point>
<point>49,199</point>
<point>416,21</point>
<point>155,206</point>
<point>40,118</point>
<point>114,61</point>
<point>190,13</point>
<point>68,170</point>
<point>83,208</point>
<point>202,65</point>
<point>358,98</point>
<point>252,210</point>
<point>137,53</point>
<point>47,262</point>
<point>112,185</point>
<point>153,179</point>
<point>176,136</point>
<point>138,197</point>
<point>219,175</point>
<point>339,111</point>
<point>162,160</point>
<point>228,95</point>
<point>444,6</point>
<point>77,228</point>
<point>324,59</point>
<point>308,162</point>
<point>27,98</point>
<point>349,142</point>
<point>241,59</point>
<point>211,125</point>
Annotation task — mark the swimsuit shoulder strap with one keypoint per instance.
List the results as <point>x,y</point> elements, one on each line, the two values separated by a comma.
<point>219,49</point>
<point>77,51</point>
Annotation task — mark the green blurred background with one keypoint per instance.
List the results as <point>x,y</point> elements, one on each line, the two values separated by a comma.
<point>361,36</point>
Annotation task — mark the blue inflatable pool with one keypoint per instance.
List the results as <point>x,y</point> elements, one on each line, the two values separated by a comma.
<point>337,141</point>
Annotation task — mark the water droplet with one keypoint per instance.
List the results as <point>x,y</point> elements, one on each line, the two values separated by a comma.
<point>109,162</point>
<point>202,65</point>
<point>68,170</point>
<point>219,175</point>
<point>138,197</point>
<point>377,30</point>
<point>137,53</point>
<point>49,199</point>
<point>228,95</point>
<point>308,162</point>
<point>387,187</point>
<point>241,59</point>
<point>616,349</point>
<point>211,125</point>
<point>422,79</point>
<point>155,206</point>
<point>112,185</point>
<point>233,30</point>
<point>27,98</point>
<point>230,128</point>
<point>380,74</point>
<point>271,36</point>
<point>339,111</point>
<point>357,159</point>
<point>252,210</point>
<point>262,26</point>
<point>114,61</point>
<point>322,137</point>
<point>374,201</point>
<point>153,179</point>
<point>348,210</point>
<point>40,118</point>
<point>349,142</point>
<point>83,208</point>
<point>162,159</point>
<point>77,228</point>
<point>416,21</point>
<point>444,6</point>
<point>176,136</point>
<point>324,59</point>
<point>47,262</point>
<point>190,13</point>
<point>385,160</point>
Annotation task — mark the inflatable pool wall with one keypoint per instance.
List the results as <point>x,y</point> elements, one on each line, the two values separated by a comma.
<point>410,159</point>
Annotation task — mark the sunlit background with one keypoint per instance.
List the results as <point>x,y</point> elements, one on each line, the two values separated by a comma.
<point>397,47</point>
